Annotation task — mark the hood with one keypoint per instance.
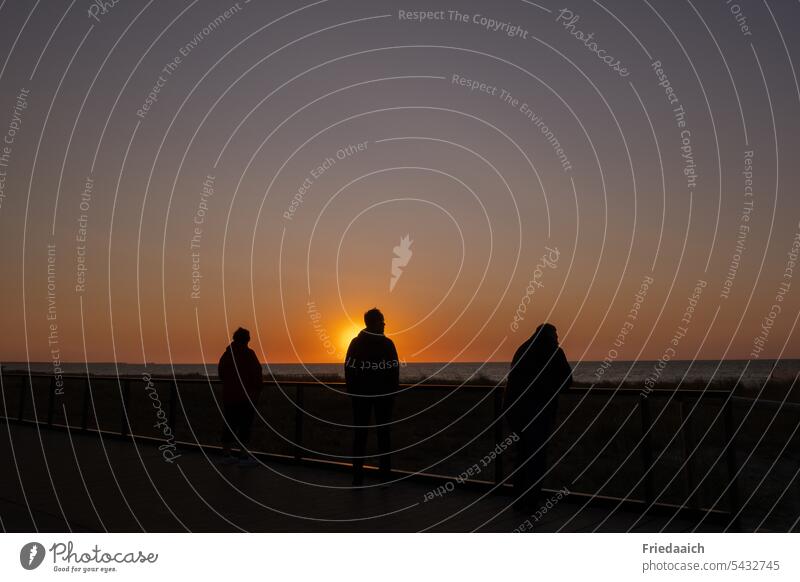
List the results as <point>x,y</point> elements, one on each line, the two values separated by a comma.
<point>368,336</point>
<point>234,347</point>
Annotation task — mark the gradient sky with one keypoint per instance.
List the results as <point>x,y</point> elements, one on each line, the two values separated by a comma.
<point>264,97</point>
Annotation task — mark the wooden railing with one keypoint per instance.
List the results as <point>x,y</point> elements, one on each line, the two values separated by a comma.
<point>683,398</point>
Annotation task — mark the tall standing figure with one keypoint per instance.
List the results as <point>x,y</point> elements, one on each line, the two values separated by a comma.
<point>539,372</point>
<point>372,373</point>
<point>240,372</point>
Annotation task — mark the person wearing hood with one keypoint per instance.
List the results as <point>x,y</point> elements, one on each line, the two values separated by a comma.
<point>539,373</point>
<point>372,374</point>
<point>240,372</point>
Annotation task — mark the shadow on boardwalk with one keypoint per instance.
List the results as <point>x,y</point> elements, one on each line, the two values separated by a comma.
<point>61,481</point>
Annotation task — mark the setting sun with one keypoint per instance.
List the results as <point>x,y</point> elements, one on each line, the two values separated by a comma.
<point>349,331</point>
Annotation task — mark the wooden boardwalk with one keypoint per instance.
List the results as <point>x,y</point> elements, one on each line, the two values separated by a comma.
<point>55,480</point>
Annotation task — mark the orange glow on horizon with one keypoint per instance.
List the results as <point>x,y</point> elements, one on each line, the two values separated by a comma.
<point>347,334</point>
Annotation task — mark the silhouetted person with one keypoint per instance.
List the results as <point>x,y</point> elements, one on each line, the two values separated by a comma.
<point>372,373</point>
<point>240,372</point>
<point>539,372</point>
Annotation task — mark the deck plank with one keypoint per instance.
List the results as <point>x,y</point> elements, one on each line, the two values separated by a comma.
<point>101,483</point>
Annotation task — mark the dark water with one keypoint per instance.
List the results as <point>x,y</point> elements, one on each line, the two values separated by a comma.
<point>751,374</point>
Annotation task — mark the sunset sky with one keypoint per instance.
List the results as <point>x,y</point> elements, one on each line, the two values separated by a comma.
<point>298,143</point>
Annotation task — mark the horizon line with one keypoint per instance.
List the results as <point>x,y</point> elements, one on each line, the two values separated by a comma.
<point>207,364</point>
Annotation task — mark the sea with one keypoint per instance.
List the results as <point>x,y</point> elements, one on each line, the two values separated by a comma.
<point>749,374</point>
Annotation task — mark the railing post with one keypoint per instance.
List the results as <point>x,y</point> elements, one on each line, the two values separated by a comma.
<point>730,457</point>
<point>125,427</point>
<point>51,401</point>
<point>173,405</point>
<point>23,395</point>
<point>298,422</point>
<point>647,449</point>
<point>85,412</point>
<point>687,438</point>
<point>498,432</point>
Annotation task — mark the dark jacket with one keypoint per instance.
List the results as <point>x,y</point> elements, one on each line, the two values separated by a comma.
<point>371,366</point>
<point>539,372</point>
<point>240,372</point>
